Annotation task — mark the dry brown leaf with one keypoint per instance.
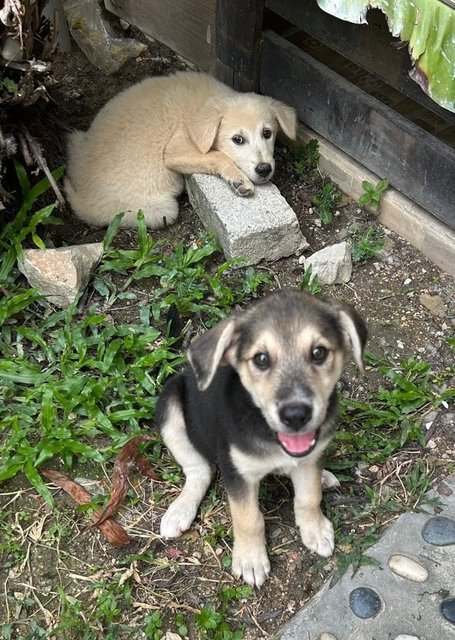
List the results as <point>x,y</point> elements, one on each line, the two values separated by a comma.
<point>129,458</point>
<point>114,533</point>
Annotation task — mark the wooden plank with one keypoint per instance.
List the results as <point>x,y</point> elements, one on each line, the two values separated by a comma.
<point>238,42</point>
<point>369,45</point>
<point>186,26</point>
<point>416,163</point>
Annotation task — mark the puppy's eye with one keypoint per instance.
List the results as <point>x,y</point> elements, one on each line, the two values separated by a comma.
<point>237,139</point>
<point>267,133</point>
<point>319,355</point>
<point>262,361</point>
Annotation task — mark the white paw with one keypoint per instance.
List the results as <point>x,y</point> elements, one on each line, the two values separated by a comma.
<point>317,535</point>
<point>329,480</point>
<point>177,519</point>
<point>252,565</point>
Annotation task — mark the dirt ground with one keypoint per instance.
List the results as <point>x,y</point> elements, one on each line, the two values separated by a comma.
<point>186,574</point>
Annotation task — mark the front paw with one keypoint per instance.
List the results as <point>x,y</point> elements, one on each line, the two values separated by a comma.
<point>243,188</point>
<point>251,564</point>
<point>238,182</point>
<point>177,519</point>
<point>317,535</point>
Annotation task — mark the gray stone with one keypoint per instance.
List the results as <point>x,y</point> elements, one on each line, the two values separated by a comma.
<point>332,265</point>
<point>260,227</point>
<point>60,274</point>
<point>447,608</point>
<point>439,531</point>
<point>434,304</point>
<point>364,602</point>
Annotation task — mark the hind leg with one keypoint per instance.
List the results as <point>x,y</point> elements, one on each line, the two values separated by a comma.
<point>198,474</point>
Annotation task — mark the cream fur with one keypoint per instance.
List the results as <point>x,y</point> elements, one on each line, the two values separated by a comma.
<point>144,139</point>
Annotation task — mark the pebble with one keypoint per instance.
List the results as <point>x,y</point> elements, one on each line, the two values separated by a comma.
<point>447,608</point>
<point>406,637</point>
<point>327,636</point>
<point>364,602</point>
<point>439,531</point>
<point>407,568</point>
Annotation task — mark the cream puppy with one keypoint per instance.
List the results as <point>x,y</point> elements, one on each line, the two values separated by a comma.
<point>143,140</point>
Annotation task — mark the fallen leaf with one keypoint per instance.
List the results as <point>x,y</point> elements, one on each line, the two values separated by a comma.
<point>114,533</point>
<point>129,458</point>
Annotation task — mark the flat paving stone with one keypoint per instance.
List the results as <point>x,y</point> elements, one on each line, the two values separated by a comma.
<point>410,610</point>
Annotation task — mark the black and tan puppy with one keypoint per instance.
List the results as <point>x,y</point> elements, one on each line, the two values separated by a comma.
<point>260,398</point>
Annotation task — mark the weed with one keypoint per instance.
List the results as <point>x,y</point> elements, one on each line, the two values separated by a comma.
<point>310,282</point>
<point>365,246</point>
<point>391,417</point>
<point>24,225</point>
<point>306,159</point>
<point>372,194</point>
<point>326,201</point>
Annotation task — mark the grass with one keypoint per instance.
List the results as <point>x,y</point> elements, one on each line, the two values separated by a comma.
<point>76,384</point>
<point>326,201</point>
<point>306,160</point>
<point>365,246</point>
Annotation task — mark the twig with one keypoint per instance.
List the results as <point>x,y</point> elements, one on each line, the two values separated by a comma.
<point>36,150</point>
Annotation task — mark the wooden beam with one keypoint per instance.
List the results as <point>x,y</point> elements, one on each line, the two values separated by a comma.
<point>416,163</point>
<point>368,45</point>
<point>186,26</point>
<point>238,42</point>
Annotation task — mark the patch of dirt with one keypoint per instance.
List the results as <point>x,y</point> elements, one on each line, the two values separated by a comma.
<point>184,575</point>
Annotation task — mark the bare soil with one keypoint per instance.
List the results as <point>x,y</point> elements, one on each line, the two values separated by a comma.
<point>184,575</point>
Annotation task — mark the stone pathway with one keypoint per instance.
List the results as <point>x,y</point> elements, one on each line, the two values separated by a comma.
<point>409,595</point>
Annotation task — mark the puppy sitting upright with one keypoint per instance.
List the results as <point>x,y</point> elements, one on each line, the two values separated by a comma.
<point>143,140</point>
<point>260,398</point>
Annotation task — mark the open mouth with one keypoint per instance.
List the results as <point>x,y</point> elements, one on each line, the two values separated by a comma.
<point>298,444</point>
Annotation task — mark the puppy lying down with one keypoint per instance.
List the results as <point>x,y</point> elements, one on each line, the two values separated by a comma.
<point>143,140</point>
<point>260,398</point>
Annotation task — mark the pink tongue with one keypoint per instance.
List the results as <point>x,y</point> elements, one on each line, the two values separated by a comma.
<point>297,443</point>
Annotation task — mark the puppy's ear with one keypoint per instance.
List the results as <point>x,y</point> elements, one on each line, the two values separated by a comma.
<point>207,352</point>
<point>204,125</point>
<point>355,331</point>
<point>286,117</point>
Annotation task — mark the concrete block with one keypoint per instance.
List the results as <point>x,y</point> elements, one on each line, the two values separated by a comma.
<point>260,227</point>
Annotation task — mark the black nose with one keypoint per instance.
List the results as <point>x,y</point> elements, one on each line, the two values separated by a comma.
<point>263,169</point>
<point>295,416</point>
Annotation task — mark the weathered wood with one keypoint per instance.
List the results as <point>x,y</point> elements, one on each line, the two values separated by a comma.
<point>416,163</point>
<point>368,45</point>
<point>186,26</point>
<point>238,42</point>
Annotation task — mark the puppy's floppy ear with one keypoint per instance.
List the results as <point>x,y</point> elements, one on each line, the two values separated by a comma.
<point>207,352</point>
<point>204,125</point>
<point>286,117</point>
<point>355,331</point>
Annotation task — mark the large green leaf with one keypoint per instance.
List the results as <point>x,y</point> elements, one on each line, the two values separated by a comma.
<point>429,28</point>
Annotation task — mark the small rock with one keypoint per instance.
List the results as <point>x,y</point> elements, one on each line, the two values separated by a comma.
<point>408,568</point>
<point>439,531</point>
<point>327,636</point>
<point>364,602</point>
<point>447,608</point>
<point>406,637</point>
<point>434,304</point>
<point>333,265</point>
<point>60,274</point>
<point>443,489</point>
<point>431,444</point>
